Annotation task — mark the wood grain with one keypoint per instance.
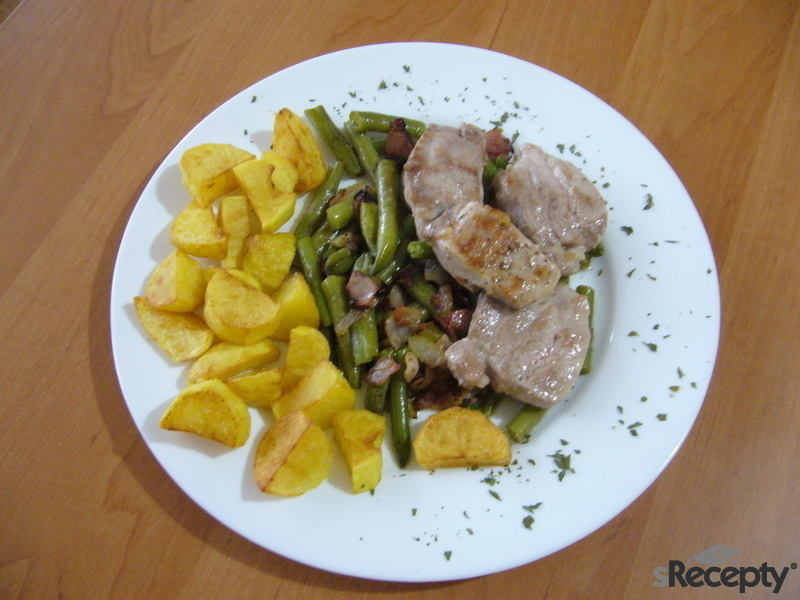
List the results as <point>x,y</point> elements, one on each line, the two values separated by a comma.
<point>96,93</point>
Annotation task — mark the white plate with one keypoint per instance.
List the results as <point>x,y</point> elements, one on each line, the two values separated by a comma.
<point>657,329</point>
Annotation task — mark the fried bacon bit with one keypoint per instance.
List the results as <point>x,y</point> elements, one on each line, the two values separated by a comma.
<point>442,300</point>
<point>437,390</point>
<point>455,324</point>
<point>398,141</point>
<point>383,368</point>
<point>362,289</point>
<point>497,145</point>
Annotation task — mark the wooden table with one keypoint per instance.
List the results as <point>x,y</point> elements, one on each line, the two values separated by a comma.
<point>95,95</point>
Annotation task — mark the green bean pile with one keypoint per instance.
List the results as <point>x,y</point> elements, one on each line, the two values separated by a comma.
<point>365,229</point>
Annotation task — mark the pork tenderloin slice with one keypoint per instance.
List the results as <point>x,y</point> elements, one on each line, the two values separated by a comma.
<point>480,247</point>
<point>554,204</point>
<point>445,169</point>
<point>533,354</point>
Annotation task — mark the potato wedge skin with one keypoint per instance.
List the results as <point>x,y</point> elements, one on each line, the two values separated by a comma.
<point>298,307</point>
<point>293,139</point>
<point>177,283</point>
<point>273,206</point>
<point>307,346</point>
<point>268,257</point>
<point>234,220</point>
<point>207,170</point>
<point>460,437</point>
<point>224,360</point>
<point>211,410</point>
<point>183,336</point>
<point>195,231</point>
<point>359,435</point>
<point>260,387</point>
<point>323,391</point>
<point>293,457</point>
<point>238,312</point>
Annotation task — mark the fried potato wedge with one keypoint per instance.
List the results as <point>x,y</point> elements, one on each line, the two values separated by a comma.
<point>307,346</point>
<point>268,257</point>
<point>359,435</point>
<point>183,336</point>
<point>196,232</point>
<point>260,387</point>
<point>460,437</point>
<point>294,140</point>
<point>298,306</point>
<point>238,312</point>
<point>234,221</point>
<point>225,360</point>
<point>177,284</point>
<point>293,457</point>
<point>272,205</point>
<point>206,170</point>
<point>323,391</point>
<point>211,410</point>
<point>285,174</point>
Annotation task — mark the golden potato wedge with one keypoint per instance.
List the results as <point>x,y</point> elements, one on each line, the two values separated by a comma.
<point>307,346</point>
<point>268,257</point>
<point>225,360</point>
<point>211,410</point>
<point>460,437</point>
<point>294,140</point>
<point>359,435</point>
<point>206,170</point>
<point>293,457</point>
<point>260,387</point>
<point>298,306</point>
<point>321,393</point>
<point>285,175</point>
<point>177,284</point>
<point>196,232</point>
<point>183,336</point>
<point>273,206</point>
<point>234,220</point>
<point>238,312</point>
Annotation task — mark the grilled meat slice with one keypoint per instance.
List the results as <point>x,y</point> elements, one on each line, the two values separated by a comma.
<point>533,354</point>
<point>445,169</point>
<point>477,244</point>
<point>554,204</point>
<point>481,249</point>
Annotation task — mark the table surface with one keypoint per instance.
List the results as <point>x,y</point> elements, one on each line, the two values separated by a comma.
<point>96,94</point>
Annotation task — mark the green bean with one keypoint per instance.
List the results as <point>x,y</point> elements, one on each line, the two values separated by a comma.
<point>333,287</point>
<point>387,182</point>
<point>489,402</point>
<point>363,120</point>
<point>340,261</point>
<point>368,155</point>
<point>375,395</point>
<point>420,249</point>
<point>400,416</point>
<point>364,337</point>
<point>334,139</point>
<point>521,425</point>
<point>422,291</point>
<point>589,293</point>
<point>309,263</point>
<point>364,263</point>
<point>340,214</point>
<point>315,213</point>
<point>368,220</point>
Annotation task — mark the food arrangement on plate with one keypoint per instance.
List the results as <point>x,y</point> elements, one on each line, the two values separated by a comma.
<point>655,328</point>
<point>427,276</point>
